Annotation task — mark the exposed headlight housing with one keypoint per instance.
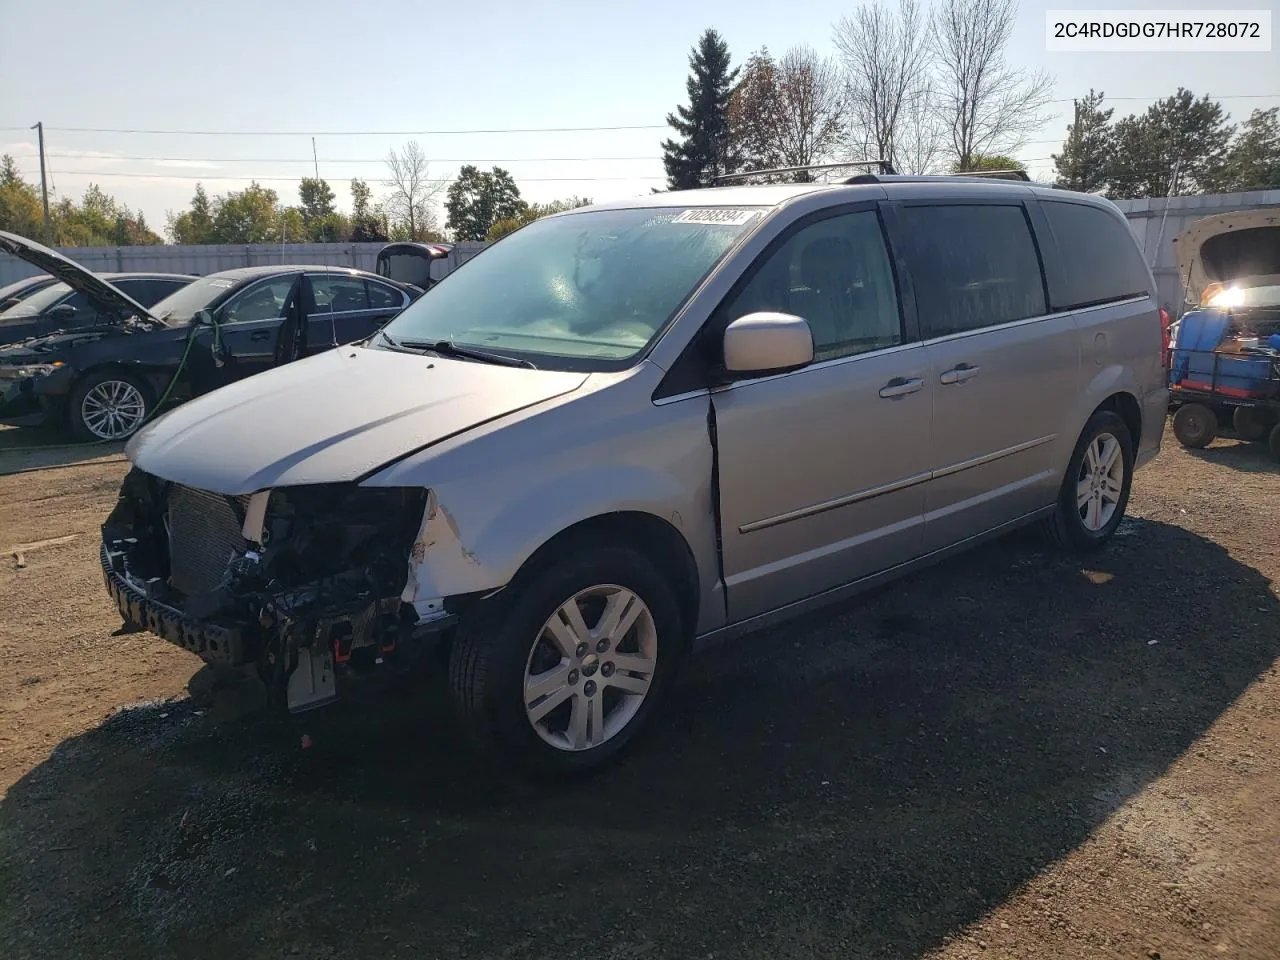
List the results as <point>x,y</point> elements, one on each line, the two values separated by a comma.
<point>28,370</point>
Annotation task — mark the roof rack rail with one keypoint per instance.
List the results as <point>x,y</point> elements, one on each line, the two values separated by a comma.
<point>994,174</point>
<point>884,165</point>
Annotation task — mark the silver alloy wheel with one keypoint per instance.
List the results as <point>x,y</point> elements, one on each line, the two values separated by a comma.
<point>590,668</point>
<point>1100,482</point>
<point>113,409</point>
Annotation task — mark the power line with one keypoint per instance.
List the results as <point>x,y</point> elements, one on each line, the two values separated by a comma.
<point>356,133</point>
<point>174,176</point>
<point>81,156</point>
<point>493,130</point>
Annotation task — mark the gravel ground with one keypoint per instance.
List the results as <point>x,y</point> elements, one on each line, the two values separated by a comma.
<point>1010,755</point>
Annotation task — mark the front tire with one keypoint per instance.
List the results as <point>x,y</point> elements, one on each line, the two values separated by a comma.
<point>108,405</point>
<point>565,672</point>
<point>1095,490</point>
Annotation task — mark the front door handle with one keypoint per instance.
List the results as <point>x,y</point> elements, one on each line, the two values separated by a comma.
<point>900,387</point>
<point>260,335</point>
<point>959,374</point>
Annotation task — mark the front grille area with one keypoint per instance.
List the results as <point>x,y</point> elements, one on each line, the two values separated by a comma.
<point>204,534</point>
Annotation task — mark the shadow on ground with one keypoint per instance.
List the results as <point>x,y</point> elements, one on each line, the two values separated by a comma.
<point>31,448</point>
<point>1254,457</point>
<point>858,783</point>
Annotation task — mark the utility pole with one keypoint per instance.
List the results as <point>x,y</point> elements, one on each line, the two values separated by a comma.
<point>314,158</point>
<point>44,183</point>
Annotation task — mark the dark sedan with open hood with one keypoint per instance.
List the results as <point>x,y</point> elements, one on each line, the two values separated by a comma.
<point>106,380</point>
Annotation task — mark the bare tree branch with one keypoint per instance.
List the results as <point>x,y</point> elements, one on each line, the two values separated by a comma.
<point>920,140</point>
<point>810,107</point>
<point>410,205</point>
<point>986,105</point>
<point>886,57</point>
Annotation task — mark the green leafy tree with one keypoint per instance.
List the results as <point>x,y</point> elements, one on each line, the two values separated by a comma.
<point>21,211</point>
<point>703,150</point>
<point>98,220</point>
<point>194,225</point>
<point>1179,134</point>
<point>1085,159</point>
<point>249,216</point>
<point>1253,162</point>
<point>366,227</point>
<point>477,200</point>
<point>988,161</point>
<point>530,212</point>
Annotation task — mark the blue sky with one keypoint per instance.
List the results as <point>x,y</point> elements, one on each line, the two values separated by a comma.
<point>393,65</point>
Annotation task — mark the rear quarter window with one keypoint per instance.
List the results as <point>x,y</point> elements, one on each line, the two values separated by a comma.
<point>1099,258</point>
<point>972,266</point>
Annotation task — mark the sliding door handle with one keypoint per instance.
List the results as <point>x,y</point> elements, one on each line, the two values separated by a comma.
<point>959,374</point>
<point>900,387</point>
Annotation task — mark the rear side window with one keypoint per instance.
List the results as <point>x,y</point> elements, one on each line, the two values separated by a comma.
<point>382,297</point>
<point>972,266</point>
<point>158,289</point>
<point>1100,259</point>
<point>338,294</point>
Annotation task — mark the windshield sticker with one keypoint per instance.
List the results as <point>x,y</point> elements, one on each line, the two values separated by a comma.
<point>224,284</point>
<point>718,217</point>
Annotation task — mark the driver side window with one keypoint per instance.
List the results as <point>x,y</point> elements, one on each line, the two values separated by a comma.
<point>267,300</point>
<point>836,275</point>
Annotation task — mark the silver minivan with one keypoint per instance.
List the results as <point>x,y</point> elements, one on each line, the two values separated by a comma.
<point>638,427</point>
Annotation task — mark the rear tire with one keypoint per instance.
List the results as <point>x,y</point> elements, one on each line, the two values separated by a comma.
<point>1250,424</point>
<point>558,697</point>
<point>107,406</point>
<point>1195,425</point>
<point>1095,490</point>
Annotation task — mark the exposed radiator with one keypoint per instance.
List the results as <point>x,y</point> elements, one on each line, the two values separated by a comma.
<point>204,534</point>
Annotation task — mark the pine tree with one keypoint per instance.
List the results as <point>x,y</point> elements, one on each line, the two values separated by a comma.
<point>703,153</point>
<point>1086,154</point>
<point>1180,142</point>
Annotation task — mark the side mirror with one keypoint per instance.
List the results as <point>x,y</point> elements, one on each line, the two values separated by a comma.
<point>202,317</point>
<point>63,311</point>
<point>767,343</point>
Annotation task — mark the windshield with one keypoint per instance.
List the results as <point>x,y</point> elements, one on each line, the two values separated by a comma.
<point>180,307</point>
<point>38,302</point>
<point>586,291</point>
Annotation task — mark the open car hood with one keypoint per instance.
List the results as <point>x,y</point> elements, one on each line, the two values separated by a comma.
<point>104,297</point>
<point>332,418</point>
<point>1227,247</point>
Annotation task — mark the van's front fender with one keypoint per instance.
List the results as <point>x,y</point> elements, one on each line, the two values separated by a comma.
<point>493,502</point>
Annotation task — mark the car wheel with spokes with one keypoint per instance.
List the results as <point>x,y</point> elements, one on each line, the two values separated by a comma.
<point>109,406</point>
<point>1095,490</point>
<point>564,673</point>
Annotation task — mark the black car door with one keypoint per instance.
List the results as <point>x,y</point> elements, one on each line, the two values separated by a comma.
<point>343,308</point>
<point>249,324</point>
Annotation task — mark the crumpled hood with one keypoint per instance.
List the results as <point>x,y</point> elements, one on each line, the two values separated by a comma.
<point>332,418</point>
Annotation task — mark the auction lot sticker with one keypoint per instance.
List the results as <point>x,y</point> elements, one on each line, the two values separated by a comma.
<point>718,216</point>
<point>1158,31</point>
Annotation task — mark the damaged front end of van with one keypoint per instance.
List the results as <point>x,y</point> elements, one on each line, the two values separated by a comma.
<point>292,584</point>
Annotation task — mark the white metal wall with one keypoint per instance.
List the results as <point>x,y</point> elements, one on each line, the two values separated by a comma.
<point>210,258</point>
<point>1155,222</point>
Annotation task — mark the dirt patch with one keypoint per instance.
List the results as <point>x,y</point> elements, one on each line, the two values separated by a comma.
<point>1011,755</point>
